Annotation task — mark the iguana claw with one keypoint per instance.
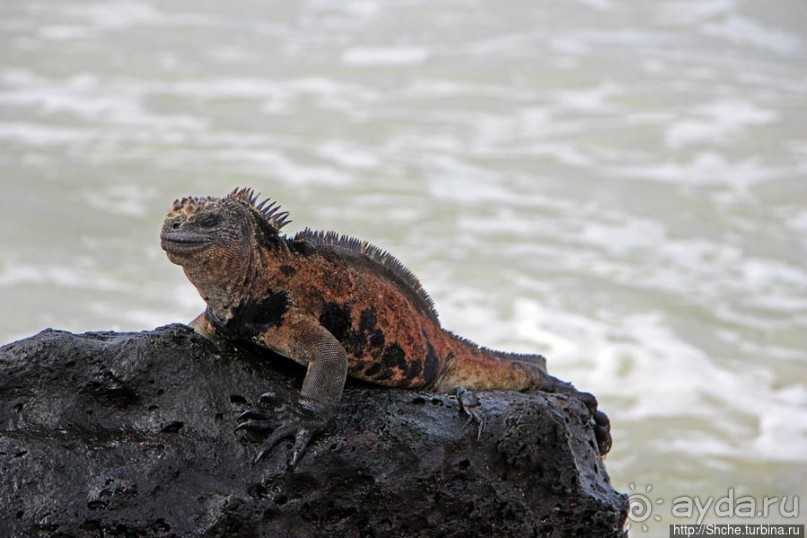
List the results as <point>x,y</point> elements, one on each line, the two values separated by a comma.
<point>254,421</point>
<point>292,420</point>
<point>302,436</point>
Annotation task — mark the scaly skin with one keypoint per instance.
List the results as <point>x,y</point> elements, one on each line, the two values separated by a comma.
<point>335,304</point>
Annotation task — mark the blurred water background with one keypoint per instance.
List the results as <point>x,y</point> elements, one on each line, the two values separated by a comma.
<point>621,186</point>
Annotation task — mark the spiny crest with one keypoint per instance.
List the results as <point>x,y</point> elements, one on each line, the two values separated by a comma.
<point>374,254</point>
<point>268,210</point>
<point>186,207</point>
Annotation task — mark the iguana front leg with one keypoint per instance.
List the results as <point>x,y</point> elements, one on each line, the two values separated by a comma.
<point>303,339</point>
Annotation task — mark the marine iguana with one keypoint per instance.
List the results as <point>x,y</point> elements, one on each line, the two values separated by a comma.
<point>339,306</point>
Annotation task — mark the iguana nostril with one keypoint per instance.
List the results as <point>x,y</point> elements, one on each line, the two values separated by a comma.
<point>175,226</point>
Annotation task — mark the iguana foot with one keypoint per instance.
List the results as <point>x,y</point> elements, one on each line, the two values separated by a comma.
<point>469,404</point>
<point>602,431</point>
<point>599,420</point>
<point>295,420</point>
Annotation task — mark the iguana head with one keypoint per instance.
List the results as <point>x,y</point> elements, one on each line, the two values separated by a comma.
<point>198,228</point>
<point>215,240</point>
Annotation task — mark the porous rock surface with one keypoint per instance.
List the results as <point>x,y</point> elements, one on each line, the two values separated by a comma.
<point>132,434</point>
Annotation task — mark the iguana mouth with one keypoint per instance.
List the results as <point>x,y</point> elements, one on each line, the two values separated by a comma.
<point>183,243</point>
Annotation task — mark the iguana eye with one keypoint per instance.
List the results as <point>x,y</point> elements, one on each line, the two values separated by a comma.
<point>210,221</point>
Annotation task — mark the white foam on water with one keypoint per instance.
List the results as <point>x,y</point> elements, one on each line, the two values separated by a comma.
<point>63,32</point>
<point>276,96</point>
<point>457,181</point>
<point>230,87</point>
<point>767,351</point>
<point>568,154</point>
<point>644,361</point>
<point>348,155</point>
<point>170,304</point>
<point>599,5</point>
<point>438,88</point>
<point>572,45</point>
<point>121,199</point>
<point>115,15</point>
<point>745,31</point>
<point>763,274</point>
<point>92,102</point>
<point>798,221</point>
<point>623,238</point>
<point>717,123</point>
<point>12,274</point>
<point>595,99</point>
<point>644,364</point>
<point>704,168</point>
<point>783,425</point>
<point>689,14</point>
<point>121,15</point>
<point>385,56</point>
<point>42,136</point>
<point>280,165</point>
<point>361,8</point>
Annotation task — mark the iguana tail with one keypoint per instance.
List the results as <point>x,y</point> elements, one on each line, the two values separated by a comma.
<point>477,368</point>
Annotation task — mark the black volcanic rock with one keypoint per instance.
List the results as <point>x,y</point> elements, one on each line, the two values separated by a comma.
<point>131,434</point>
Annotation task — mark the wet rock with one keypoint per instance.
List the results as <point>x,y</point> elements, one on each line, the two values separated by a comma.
<point>132,434</point>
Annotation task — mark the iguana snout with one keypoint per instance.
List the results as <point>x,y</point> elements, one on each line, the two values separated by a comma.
<point>181,237</point>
